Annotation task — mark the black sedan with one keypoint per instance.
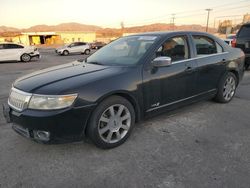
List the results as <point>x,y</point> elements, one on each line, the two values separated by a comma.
<point>128,80</point>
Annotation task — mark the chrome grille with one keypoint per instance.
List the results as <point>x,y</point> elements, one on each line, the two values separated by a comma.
<point>18,99</point>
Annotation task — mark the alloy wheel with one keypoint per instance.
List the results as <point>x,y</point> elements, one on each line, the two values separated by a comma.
<point>229,88</point>
<point>25,58</point>
<point>114,123</point>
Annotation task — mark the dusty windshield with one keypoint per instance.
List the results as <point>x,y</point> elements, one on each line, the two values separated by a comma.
<point>124,51</point>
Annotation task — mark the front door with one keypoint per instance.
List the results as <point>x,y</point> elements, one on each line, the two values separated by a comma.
<point>165,86</point>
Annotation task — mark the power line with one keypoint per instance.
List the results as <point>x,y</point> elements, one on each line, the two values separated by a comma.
<point>170,16</point>
<point>224,10</point>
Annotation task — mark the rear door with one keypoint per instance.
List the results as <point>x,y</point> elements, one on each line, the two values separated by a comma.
<point>2,53</point>
<point>82,46</point>
<point>243,39</point>
<point>211,60</point>
<point>73,47</point>
<point>7,53</point>
<point>13,52</point>
<point>165,86</point>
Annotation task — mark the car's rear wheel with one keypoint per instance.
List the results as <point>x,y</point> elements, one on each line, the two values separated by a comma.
<point>227,88</point>
<point>87,52</point>
<point>65,52</point>
<point>111,123</point>
<point>25,58</point>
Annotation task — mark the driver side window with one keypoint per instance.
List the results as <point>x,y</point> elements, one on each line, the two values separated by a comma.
<point>176,48</point>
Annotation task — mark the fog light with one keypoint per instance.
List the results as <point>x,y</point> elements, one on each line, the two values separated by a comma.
<point>42,135</point>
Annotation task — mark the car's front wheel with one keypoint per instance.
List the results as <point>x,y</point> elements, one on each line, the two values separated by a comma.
<point>87,52</point>
<point>65,52</point>
<point>111,122</point>
<point>25,58</point>
<point>227,88</point>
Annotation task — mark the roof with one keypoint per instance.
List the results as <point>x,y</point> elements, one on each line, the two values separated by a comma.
<point>165,33</point>
<point>246,24</point>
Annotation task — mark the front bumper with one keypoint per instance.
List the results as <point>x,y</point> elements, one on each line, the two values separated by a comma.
<point>67,124</point>
<point>35,54</point>
<point>60,52</point>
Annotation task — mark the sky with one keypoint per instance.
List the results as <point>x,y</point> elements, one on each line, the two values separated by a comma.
<point>110,13</point>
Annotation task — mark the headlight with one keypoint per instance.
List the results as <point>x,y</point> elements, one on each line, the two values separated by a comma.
<point>51,102</point>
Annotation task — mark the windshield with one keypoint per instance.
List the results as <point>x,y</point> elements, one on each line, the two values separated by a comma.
<point>244,31</point>
<point>124,51</point>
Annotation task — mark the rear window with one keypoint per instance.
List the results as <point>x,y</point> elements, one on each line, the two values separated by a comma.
<point>244,31</point>
<point>12,46</point>
<point>204,45</point>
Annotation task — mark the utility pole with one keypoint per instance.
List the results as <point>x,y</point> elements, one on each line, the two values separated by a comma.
<point>173,20</point>
<point>122,28</point>
<point>208,14</point>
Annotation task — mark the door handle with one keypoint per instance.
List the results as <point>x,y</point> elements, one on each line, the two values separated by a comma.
<point>223,61</point>
<point>189,69</point>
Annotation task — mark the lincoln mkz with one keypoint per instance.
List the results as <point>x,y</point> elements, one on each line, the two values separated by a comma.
<point>126,81</point>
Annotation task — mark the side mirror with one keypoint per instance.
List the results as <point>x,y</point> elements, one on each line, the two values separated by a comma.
<point>162,61</point>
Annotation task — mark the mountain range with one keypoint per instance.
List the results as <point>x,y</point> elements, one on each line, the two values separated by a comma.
<point>92,28</point>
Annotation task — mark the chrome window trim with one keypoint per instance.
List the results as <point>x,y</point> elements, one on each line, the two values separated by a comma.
<point>195,58</point>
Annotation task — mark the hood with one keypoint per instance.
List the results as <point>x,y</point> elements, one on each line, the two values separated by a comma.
<point>40,79</point>
<point>62,47</point>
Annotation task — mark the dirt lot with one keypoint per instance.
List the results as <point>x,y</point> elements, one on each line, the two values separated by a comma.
<point>202,145</point>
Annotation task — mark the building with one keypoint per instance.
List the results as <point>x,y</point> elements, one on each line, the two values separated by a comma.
<point>48,38</point>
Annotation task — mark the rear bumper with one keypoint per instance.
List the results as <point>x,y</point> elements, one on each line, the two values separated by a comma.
<point>67,124</point>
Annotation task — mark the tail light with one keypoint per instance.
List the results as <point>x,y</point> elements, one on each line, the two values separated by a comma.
<point>234,43</point>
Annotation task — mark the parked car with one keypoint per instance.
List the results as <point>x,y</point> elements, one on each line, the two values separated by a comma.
<point>97,45</point>
<point>130,79</point>
<point>230,40</point>
<point>243,42</point>
<point>75,47</point>
<point>17,52</point>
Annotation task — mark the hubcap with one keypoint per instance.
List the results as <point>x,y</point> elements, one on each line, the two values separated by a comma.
<point>114,123</point>
<point>229,88</point>
<point>26,57</point>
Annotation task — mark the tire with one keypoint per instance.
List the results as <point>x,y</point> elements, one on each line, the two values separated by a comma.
<point>87,52</point>
<point>65,52</point>
<point>227,88</point>
<point>25,58</point>
<point>108,131</point>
